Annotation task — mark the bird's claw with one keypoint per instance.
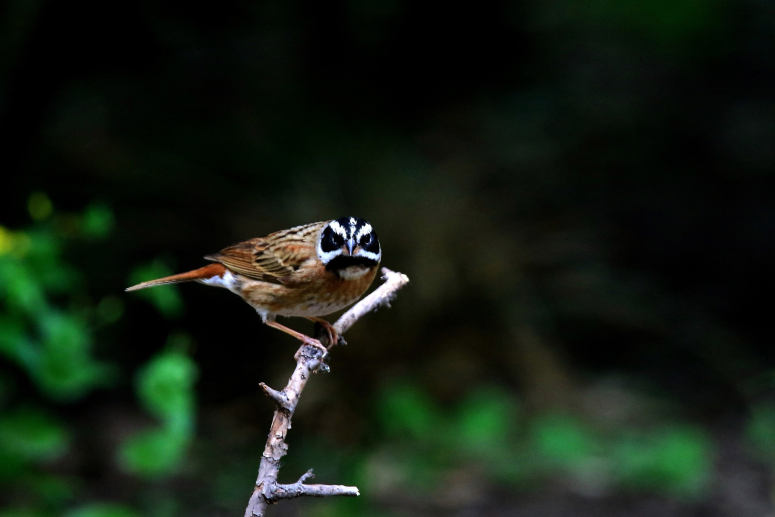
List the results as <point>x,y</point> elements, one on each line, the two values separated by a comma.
<point>313,343</point>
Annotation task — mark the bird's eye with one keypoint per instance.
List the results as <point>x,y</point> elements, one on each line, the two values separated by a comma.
<point>331,240</point>
<point>366,239</point>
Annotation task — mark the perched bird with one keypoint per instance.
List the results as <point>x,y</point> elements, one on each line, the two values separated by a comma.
<point>308,271</point>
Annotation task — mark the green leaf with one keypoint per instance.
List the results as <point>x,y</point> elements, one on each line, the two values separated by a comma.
<point>153,453</point>
<point>30,434</point>
<point>14,342</point>
<point>61,364</point>
<point>484,420</point>
<point>165,386</point>
<point>47,489</point>
<point>405,410</point>
<point>44,258</point>
<point>19,287</point>
<point>9,241</point>
<point>676,461</point>
<point>561,440</point>
<point>97,221</point>
<point>65,369</point>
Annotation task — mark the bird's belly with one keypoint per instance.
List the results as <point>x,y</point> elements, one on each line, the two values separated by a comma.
<point>313,308</point>
<point>310,299</point>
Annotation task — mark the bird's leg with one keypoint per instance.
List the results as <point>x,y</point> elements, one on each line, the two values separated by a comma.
<point>298,335</point>
<point>333,336</point>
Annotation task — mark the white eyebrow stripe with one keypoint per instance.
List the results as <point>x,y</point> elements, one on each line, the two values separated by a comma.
<point>338,229</point>
<point>366,228</point>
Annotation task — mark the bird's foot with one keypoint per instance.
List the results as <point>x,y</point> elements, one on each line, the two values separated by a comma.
<point>309,341</point>
<point>334,338</point>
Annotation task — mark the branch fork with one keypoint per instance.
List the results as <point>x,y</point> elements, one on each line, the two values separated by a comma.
<point>309,359</point>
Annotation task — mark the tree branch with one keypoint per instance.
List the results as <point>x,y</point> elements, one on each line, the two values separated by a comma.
<point>300,488</point>
<point>309,359</point>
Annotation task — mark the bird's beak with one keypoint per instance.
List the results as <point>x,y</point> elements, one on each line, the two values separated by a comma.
<point>351,244</point>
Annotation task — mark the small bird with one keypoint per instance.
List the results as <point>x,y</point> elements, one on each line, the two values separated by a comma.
<point>309,271</point>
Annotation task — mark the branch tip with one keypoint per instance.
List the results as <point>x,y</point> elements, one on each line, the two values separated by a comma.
<point>306,476</point>
<point>279,397</point>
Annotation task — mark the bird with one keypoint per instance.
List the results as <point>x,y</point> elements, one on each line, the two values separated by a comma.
<point>307,271</point>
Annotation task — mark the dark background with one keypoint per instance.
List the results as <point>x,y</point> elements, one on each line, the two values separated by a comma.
<point>579,193</point>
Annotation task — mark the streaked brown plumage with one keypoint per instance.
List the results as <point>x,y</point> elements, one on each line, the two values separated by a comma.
<point>308,271</point>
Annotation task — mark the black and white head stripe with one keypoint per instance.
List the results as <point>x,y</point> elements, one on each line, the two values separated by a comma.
<point>351,238</point>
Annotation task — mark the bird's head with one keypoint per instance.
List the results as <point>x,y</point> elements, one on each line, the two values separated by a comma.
<point>348,241</point>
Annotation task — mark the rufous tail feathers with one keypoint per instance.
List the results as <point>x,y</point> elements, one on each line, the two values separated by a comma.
<point>207,271</point>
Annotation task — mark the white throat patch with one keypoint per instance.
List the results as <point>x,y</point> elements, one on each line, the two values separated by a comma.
<point>352,272</point>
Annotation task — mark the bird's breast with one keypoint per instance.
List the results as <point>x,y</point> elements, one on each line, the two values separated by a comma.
<point>319,295</point>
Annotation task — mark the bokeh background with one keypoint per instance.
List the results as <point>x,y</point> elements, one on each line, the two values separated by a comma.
<point>579,192</point>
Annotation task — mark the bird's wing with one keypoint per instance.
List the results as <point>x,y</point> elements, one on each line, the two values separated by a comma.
<point>273,258</point>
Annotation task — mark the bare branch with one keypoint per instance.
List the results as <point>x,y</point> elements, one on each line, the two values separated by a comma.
<point>306,476</point>
<point>278,396</point>
<point>300,488</point>
<point>309,360</point>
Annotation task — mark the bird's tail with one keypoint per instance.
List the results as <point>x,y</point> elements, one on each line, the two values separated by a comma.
<point>207,271</point>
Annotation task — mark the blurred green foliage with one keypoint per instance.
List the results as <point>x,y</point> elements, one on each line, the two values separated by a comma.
<point>424,442</point>
<point>674,460</point>
<point>50,342</point>
<point>165,387</point>
<point>48,333</point>
<point>760,430</point>
<point>30,435</point>
<point>425,449</point>
<point>561,441</point>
